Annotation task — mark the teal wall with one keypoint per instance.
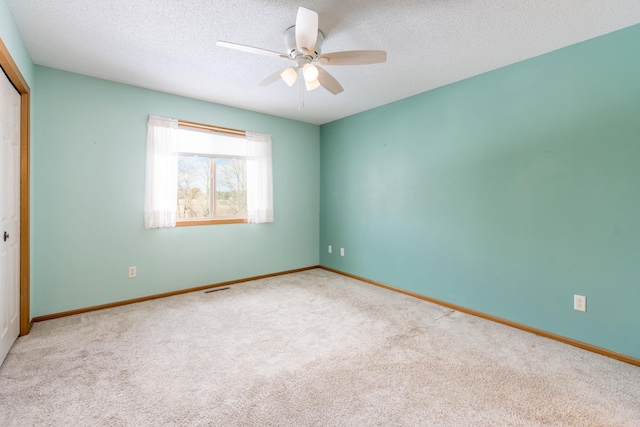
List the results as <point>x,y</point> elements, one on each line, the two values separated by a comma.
<point>89,145</point>
<point>506,193</point>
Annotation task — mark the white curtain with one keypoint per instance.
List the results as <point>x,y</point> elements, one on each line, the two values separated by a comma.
<point>161,191</point>
<point>259,179</point>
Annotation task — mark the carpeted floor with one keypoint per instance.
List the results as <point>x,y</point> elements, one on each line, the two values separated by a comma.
<point>306,349</point>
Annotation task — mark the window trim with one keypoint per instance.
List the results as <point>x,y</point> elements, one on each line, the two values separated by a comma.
<point>190,222</point>
<point>211,128</point>
<point>216,129</point>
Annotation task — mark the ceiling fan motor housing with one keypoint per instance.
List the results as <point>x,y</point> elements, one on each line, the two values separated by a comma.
<point>290,43</point>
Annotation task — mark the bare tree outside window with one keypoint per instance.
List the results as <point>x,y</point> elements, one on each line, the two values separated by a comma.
<point>231,187</point>
<point>199,175</point>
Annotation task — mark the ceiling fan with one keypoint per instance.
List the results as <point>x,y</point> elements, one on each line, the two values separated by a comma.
<point>304,43</point>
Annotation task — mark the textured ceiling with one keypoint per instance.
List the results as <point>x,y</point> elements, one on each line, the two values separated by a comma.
<point>169,45</point>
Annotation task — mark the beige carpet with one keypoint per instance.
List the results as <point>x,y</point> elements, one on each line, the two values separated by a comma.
<point>306,349</point>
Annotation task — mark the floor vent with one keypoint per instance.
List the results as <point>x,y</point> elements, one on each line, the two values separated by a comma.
<point>216,290</point>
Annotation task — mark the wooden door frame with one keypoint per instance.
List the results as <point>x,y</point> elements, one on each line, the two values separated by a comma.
<point>17,80</point>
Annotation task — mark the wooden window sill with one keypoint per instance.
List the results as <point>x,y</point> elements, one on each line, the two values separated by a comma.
<point>211,222</point>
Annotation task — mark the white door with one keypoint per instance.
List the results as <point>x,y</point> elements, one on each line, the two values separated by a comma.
<point>10,215</point>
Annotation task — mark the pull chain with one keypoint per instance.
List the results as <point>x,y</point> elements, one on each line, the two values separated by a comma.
<point>301,91</point>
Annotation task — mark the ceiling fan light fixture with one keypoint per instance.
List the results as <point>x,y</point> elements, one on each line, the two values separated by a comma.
<point>312,85</point>
<point>310,72</point>
<point>290,75</point>
<point>303,43</point>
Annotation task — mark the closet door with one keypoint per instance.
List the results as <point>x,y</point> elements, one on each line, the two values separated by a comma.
<point>9,215</point>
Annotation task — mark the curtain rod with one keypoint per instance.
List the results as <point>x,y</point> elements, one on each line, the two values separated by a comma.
<point>200,126</point>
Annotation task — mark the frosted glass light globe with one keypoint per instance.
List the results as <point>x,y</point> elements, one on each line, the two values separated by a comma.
<point>310,72</point>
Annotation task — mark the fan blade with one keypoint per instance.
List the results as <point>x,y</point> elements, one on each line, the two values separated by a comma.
<point>328,82</point>
<point>273,77</point>
<point>306,30</point>
<point>353,57</point>
<point>250,49</point>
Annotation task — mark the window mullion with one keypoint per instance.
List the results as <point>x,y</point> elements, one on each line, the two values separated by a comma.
<point>212,192</point>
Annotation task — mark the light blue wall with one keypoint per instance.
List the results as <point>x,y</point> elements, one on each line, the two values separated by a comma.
<point>89,142</point>
<point>506,193</point>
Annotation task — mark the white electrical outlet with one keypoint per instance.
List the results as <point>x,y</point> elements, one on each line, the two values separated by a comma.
<point>580,303</point>
<point>341,251</point>
<point>132,272</point>
<point>330,249</point>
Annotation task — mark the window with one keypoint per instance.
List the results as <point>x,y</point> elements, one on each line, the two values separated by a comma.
<point>212,176</point>
<point>211,188</point>
<point>199,174</point>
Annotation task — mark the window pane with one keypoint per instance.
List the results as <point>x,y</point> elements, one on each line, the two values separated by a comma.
<point>231,187</point>
<point>194,187</point>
